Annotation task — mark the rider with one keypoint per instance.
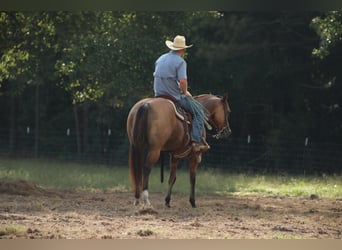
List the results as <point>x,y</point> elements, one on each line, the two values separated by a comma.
<point>170,78</point>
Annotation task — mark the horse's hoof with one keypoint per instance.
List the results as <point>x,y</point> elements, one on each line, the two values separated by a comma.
<point>167,201</point>
<point>136,202</point>
<point>193,204</point>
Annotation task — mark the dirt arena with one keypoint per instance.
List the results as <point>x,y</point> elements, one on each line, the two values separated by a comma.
<point>29,212</point>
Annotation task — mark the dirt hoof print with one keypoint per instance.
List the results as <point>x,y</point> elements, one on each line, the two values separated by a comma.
<point>314,197</point>
<point>144,233</point>
<point>32,231</point>
<point>145,211</point>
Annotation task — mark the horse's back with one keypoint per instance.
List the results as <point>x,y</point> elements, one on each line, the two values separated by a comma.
<point>162,121</point>
<point>156,105</point>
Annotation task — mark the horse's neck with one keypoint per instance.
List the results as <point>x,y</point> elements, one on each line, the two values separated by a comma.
<point>204,100</point>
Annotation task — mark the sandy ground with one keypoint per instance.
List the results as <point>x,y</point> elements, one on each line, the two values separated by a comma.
<point>29,212</point>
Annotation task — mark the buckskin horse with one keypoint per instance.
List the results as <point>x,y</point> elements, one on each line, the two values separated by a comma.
<point>153,127</point>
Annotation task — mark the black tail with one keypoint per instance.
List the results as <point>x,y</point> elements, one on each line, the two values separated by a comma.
<point>137,148</point>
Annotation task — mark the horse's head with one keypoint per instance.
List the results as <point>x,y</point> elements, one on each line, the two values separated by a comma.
<point>220,117</point>
<point>218,113</point>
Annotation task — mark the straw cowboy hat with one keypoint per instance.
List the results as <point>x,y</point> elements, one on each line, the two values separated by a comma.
<point>178,43</point>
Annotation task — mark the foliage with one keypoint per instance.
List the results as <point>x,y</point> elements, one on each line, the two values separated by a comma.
<point>24,39</point>
<point>83,70</point>
<point>263,60</point>
<point>80,39</point>
<point>326,86</point>
<point>329,29</point>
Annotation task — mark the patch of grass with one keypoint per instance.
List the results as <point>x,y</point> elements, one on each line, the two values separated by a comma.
<point>12,230</point>
<point>222,182</point>
<point>61,175</point>
<point>323,186</point>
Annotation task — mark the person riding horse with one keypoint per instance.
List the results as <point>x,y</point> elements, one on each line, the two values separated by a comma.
<point>153,128</point>
<point>170,79</point>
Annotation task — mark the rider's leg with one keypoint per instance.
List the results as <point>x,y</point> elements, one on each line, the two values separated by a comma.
<point>197,125</point>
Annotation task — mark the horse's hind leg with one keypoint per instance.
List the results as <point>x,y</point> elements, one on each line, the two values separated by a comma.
<point>152,158</point>
<point>172,179</point>
<point>144,194</point>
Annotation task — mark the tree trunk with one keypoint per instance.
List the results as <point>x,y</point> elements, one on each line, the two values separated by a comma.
<point>85,127</point>
<point>12,132</point>
<point>36,130</point>
<point>77,130</point>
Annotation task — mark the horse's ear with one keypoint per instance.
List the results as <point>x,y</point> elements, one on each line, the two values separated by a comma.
<point>225,96</point>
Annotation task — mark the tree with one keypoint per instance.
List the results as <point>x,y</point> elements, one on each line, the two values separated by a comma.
<point>25,37</point>
<point>329,29</point>
<point>261,58</point>
<point>325,98</point>
<point>112,62</point>
<point>84,70</point>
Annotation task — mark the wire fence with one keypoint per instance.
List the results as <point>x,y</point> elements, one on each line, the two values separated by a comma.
<point>294,157</point>
<point>233,154</point>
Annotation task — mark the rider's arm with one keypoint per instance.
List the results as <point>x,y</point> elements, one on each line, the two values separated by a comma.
<point>183,83</point>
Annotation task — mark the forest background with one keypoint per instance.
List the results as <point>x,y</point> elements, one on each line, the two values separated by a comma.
<point>68,80</point>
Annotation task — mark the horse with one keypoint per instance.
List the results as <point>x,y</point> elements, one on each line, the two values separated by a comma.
<point>154,128</point>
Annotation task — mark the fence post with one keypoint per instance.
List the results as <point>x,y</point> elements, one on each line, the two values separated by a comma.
<point>249,150</point>
<point>306,143</point>
<point>27,141</point>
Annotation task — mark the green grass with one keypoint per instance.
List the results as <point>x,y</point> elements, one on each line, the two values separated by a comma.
<point>12,230</point>
<point>61,175</point>
<point>282,185</point>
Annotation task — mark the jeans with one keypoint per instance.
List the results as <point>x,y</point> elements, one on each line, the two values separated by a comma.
<point>197,118</point>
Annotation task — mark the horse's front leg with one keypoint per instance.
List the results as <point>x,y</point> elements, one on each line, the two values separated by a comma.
<point>172,179</point>
<point>194,162</point>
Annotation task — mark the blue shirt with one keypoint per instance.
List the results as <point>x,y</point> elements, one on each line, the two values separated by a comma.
<point>169,69</point>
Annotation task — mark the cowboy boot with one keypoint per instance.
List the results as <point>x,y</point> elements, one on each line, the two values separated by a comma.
<point>199,147</point>
<point>207,147</point>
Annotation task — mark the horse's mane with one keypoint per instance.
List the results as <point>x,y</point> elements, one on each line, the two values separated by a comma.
<point>201,95</point>
<point>206,111</point>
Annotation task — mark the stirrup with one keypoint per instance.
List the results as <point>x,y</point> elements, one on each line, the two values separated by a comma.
<point>198,147</point>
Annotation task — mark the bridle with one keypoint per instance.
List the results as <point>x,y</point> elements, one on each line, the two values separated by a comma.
<point>225,131</point>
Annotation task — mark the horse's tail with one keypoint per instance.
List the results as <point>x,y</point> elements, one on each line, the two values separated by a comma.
<point>137,149</point>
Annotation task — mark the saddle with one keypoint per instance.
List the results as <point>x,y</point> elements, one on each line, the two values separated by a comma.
<point>180,113</point>
<point>186,119</point>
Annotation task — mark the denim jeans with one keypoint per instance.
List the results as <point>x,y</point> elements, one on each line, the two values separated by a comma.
<point>197,118</point>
